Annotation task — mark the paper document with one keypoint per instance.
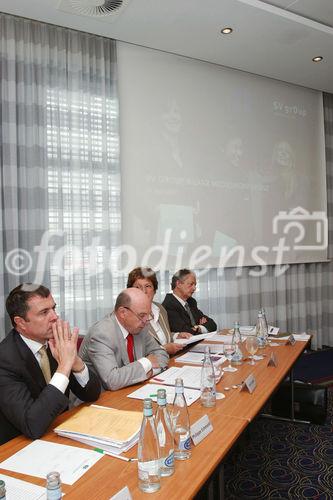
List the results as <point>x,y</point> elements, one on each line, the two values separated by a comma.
<point>195,338</point>
<point>214,348</point>
<point>220,337</point>
<point>102,427</point>
<point>16,489</point>
<point>40,457</point>
<point>196,358</point>
<point>191,376</point>
<point>150,391</point>
<point>104,423</point>
<point>302,337</point>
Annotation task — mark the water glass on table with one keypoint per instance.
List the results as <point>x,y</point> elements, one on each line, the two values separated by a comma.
<point>252,345</point>
<point>229,350</point>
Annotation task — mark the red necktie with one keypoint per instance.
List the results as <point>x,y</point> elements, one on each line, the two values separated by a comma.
<point>130,345</point>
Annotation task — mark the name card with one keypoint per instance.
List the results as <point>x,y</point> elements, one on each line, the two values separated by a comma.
<point>272,360</point>
<point>123,494</point>
<point>291,340</point>
<point>200,429</point>
<point>249,384</point>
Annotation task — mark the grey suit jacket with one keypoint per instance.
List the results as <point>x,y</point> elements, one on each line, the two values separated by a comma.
<point>104,350</point>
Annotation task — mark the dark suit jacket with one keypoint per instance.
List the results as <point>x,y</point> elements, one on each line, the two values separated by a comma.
<point>27,404</point>
<point>179,320</point>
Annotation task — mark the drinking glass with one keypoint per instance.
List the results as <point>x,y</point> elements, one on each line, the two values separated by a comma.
<point>218,372</point>
<point>252,345</point>
<point>229,351</point>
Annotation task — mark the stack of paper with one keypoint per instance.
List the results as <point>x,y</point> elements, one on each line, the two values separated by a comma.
<point>39,457</point>
<point>191,376</point>
<point>196,358</point>
<point>213,348</point>
<point>150,391</point>
<point>195,338</point>
<point>102,427</point>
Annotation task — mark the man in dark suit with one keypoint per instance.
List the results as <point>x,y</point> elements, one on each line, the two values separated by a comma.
<point>39,364</point>
<point>182,309</point>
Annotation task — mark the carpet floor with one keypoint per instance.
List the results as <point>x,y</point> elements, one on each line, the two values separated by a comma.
<point>276,459</point>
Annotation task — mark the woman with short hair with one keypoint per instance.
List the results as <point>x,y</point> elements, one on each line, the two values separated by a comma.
<point>145,279</point>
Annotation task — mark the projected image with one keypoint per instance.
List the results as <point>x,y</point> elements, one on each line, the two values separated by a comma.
<point>234,152</point>
<point>172,123</point>
<point>284,162</point>
<point>179,221</point>
<point>213,155</point>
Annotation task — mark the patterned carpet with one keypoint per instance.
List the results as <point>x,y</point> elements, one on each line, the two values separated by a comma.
<point>276,459</point>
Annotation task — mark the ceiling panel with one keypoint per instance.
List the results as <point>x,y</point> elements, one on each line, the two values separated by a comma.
<point>267,40</point>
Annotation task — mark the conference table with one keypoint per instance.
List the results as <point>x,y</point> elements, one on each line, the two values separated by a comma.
<point>229,418</point>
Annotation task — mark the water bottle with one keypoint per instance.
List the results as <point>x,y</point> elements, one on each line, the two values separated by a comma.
<point>263,312</point>
<point>237,340</point>
<point>165,435</point>
<point>208,388</point>
<point>148,451</point>
<point>181,423</point>
<point>261,330</point>
<point>2,490</point>
<point>53,486</point>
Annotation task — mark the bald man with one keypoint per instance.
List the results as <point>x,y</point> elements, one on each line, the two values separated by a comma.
<point>119,347</point>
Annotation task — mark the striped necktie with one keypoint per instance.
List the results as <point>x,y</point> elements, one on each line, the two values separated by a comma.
<point>189,312</point>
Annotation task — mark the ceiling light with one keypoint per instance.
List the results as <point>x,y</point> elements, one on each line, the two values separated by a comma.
<point>226,31</point>
<point>317,59</point>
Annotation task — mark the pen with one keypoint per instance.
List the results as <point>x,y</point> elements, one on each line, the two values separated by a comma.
<point>99,450</point>
<point>152,396</point>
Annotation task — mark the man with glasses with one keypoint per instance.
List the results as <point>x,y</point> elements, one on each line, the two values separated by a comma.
<point>119,348</point>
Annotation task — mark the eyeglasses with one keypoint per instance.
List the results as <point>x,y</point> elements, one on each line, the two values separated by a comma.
<point>144,318</point>
<point>144,287</point>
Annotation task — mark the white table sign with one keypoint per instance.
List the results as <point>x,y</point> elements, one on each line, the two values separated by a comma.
<point>249,384</point>
<point>200,429</point>
<point>123,494</point>
<point>291,340</point>
<point>272,360</point>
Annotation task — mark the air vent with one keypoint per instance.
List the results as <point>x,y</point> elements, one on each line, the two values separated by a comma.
<point>97,8</point>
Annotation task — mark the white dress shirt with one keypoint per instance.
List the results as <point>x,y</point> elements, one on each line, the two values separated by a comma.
<point>145,362</point>
<point>58,380</point>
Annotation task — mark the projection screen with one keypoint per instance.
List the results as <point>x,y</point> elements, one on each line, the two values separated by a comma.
<point>219,167</point>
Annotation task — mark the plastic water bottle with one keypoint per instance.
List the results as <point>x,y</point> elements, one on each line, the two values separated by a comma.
<point>165,435</point>
<point>261,330</point>
<point>148,451</point>
<point>237,340</point>
<point>53,486</point>
<point>208,388</point>
<point>2,490</point>
<point>181,423</point>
